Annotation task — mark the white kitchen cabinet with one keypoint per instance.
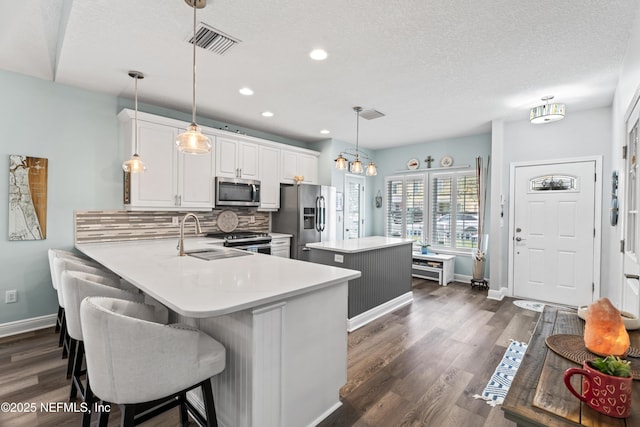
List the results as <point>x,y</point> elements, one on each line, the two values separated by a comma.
<point>269,178</point>
<point>172,180</point>
<point>296,163</point>
<point>236,159</point>
<point>281,246</point>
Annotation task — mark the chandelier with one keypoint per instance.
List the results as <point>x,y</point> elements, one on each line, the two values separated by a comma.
<point>356,165</point>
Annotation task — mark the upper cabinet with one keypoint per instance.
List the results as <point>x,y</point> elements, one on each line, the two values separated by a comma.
<point>269,178</point>
<point>236,159</point>
<point>177,181</point>
<point>172,180</point>
<point>296,163</point>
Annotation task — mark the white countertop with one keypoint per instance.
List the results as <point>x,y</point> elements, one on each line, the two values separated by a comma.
<point>280,235</point>
<point>359,245</point>
<point>198,288</point>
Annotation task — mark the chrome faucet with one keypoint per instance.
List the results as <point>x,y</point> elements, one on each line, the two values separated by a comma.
<point>198,231</point>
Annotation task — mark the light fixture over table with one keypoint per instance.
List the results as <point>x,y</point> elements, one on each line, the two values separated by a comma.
<point>356,165</point>
<point>547,113</point>
<point>135,164</point>
<point>193,141</point>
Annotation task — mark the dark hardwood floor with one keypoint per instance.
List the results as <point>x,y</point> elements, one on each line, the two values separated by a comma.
<point>418,366</point>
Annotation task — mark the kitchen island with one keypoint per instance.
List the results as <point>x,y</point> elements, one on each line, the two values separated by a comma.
<point>283,323</point>
<point>385,263</point>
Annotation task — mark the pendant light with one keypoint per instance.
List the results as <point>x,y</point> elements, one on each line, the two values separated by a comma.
<point>135,164</point>
<point>356,165</point>
<point>193,141</point>
<point>547,113</point>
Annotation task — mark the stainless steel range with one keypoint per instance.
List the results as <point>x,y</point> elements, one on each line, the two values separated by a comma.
<point>247,240</point>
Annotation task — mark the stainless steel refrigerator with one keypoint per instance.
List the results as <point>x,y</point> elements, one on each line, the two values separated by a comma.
<point>308,213</point>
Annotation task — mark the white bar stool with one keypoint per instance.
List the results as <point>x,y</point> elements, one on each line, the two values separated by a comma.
<point>76,286</point>
<point>144,366</point>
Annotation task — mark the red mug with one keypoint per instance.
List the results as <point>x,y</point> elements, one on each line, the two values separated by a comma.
<point>604,393</point>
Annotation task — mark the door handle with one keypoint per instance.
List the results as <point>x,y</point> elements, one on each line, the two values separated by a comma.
<point>632,276</point>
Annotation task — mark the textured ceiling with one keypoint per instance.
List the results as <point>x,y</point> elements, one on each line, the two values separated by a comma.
<point>436,68</point>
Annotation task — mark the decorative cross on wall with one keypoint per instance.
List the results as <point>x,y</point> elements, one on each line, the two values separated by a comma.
<point>428,161</point>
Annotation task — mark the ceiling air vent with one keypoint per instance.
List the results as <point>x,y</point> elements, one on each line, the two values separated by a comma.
<point>371,114</point>
<point>213,40</point>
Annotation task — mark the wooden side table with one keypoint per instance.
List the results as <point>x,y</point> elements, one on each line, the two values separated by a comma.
<point>538,396</point>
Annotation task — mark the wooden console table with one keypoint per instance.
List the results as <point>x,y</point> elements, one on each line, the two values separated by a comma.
<point>538,396</point>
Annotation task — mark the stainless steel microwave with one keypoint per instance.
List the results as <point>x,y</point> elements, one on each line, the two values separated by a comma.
<point>237,192</point>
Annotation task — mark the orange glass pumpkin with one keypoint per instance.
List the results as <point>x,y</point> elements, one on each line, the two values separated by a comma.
<point>604,331</point>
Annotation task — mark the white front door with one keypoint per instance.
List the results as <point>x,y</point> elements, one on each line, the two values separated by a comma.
<point>630,287</point>
<point>353,206</point>
<point>553,232</point>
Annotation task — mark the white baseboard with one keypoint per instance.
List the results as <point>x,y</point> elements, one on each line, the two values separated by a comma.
<point>498,295</point>
<point>27,325</point>
<point>326,414</point>
<point>368,316</point>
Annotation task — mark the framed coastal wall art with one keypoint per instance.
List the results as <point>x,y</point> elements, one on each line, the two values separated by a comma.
<point>27,197</point>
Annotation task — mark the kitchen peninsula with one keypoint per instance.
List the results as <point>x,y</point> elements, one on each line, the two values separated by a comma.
<point>385,263</point>
<point>282,321</point>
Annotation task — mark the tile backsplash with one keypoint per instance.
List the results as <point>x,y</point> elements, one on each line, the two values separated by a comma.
<point>117,225</point>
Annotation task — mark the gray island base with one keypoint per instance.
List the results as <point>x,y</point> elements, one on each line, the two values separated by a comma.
<point>385,264</point>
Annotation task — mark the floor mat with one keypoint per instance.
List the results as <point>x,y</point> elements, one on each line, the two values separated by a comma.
<point>498,386</point>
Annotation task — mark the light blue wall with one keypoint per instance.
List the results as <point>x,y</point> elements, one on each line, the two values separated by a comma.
<point>77,131</point>
<point>464,151</point>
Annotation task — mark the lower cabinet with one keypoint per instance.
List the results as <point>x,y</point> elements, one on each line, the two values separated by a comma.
<point>281,246</point>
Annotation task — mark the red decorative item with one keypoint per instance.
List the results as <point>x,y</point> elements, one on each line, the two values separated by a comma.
<point>604,393</point>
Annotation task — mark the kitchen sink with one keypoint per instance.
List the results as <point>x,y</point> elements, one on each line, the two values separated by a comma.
<point>214,254</point>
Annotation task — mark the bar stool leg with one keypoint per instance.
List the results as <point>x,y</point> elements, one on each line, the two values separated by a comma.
<point>209,405</point>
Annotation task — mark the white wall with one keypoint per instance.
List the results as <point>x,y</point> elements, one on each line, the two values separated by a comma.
<point>580,134</point>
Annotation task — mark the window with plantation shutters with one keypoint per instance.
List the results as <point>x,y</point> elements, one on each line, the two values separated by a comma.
<point>405,206</point>
<point>454,210</point>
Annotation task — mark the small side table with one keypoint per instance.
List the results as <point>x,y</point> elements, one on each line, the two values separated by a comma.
<point>482,284</point>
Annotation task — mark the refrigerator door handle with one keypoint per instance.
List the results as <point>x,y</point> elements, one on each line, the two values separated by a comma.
<point>323,214</point>
<point>317,217</point>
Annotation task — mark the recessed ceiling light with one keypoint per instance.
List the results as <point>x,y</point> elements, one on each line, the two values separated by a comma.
<point>324,132</point>
<point>246,91</point>
<point>318,54</point>
<point>267,114</point>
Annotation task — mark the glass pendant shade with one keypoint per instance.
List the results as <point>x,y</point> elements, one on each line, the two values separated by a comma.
<point>356,166</point>
<point>341,162</point>
<point>547,113</point>
<point>193,141</point>
<point>134,165</point>
<point>371,169</point>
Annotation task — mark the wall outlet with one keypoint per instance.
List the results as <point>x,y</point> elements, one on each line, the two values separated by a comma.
<point>175,220</point>
<point>11,296</point>
<point>338,258</point>
<point>252,219</point>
